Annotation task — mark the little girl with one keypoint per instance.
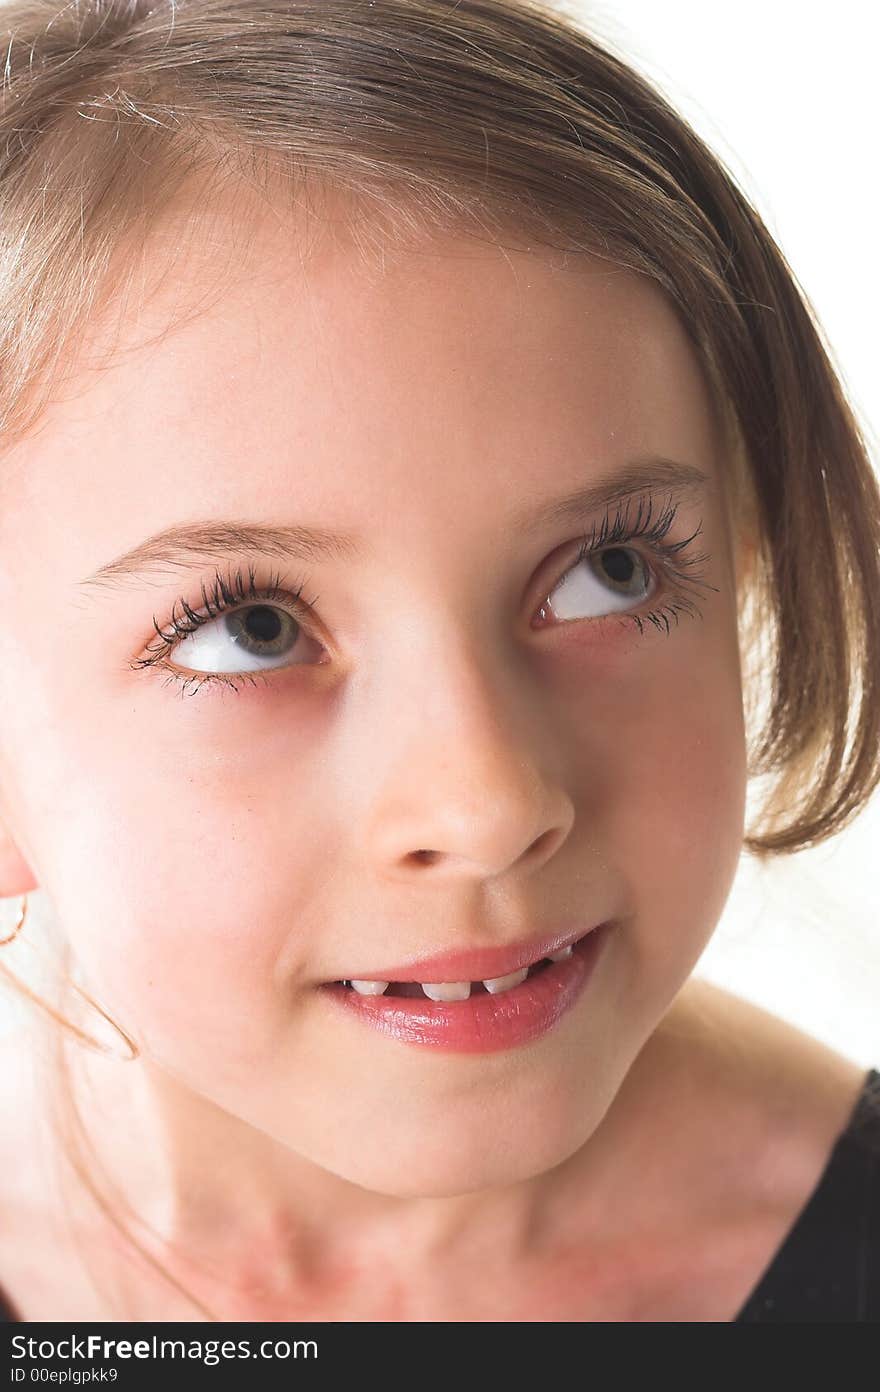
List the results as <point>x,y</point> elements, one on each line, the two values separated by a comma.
<point>425,505</point>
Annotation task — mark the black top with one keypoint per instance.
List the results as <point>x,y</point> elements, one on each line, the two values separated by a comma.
<point>827,1269</point>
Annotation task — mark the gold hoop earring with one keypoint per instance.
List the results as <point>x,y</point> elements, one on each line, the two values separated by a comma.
<point>17,929</point>
<point>88,1040</point>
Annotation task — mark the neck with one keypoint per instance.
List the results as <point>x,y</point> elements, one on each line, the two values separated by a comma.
<point>253,1230</point>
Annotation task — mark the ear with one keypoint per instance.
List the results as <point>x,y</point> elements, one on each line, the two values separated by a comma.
<point>16,876</point>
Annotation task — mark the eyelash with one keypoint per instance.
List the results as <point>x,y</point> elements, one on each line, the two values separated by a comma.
<point>225,593</point>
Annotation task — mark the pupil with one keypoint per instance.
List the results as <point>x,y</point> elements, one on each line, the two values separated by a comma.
<point>264,623</point>
<point>617,560</point>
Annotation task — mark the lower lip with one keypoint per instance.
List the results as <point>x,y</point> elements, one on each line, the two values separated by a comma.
<point>483,1023</point>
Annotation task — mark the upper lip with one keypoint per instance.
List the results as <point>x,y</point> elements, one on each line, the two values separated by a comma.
<point>479,963</point>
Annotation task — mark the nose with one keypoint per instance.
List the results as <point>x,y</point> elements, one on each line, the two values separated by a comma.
<point>467,777</point>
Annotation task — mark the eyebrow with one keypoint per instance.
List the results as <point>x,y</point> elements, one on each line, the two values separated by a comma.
<point>187,545</point>
<point>648,474</point>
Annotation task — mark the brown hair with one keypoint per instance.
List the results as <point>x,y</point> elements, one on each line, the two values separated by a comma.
<point>501,117</point>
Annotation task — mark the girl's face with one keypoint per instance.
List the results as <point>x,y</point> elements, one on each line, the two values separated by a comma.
<point>568,754</point>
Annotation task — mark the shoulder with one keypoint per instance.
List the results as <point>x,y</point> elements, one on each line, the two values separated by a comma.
<point>808,1185</point>
<point>22,1142</point>
<point>724,1125</point>
<point>15,1093</point>
<point>56,1257</point>
<point>791,1128</point>
<point>28,1218</point>
<point>25,1140</point>
<point>786,1095</point>
<point>758,1117</point>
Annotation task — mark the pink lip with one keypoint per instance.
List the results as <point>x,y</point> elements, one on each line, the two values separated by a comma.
<point>483,1023</point>
<point>477,964</point>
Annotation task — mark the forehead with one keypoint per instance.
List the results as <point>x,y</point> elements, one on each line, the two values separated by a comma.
<point>257,359</point>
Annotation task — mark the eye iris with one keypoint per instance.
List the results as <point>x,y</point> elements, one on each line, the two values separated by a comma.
<point>618,564</point>
<point>260,625</point>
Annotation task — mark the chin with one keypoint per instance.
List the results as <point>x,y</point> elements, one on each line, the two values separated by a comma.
<point>445,1161</point>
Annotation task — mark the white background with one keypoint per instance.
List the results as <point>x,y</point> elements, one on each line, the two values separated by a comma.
<point>784,93</point>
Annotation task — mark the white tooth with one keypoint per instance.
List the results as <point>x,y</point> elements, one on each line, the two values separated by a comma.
<point>504,983</point>
<point>561,955</point>
<point>447,990</point>
<point>371,988</point>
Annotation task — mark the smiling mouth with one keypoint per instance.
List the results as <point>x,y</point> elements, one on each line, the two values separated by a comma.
<point>460,990</point>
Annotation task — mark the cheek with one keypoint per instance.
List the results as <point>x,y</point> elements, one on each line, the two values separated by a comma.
<point>182,877</point>
<point>660,777</point>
